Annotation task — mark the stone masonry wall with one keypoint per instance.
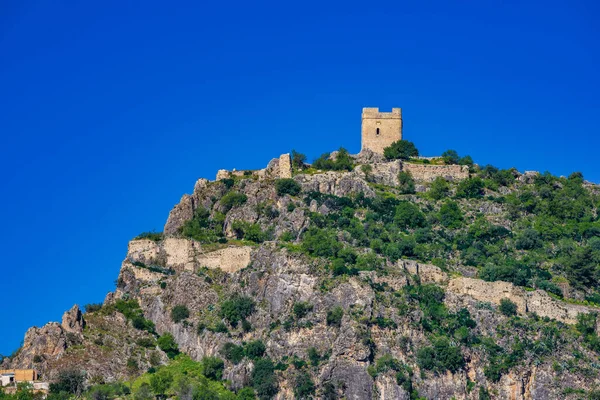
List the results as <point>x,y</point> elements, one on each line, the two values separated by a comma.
<point>428,173</point>
<point>538,301</point>
<point>380,129</point>
<point>278,168</point>
<point>184,255</point>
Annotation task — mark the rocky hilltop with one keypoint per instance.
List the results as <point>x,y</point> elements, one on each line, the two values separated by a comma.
<point>364,278</point>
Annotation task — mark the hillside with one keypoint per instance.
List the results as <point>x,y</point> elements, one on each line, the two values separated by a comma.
<point>355,277</point>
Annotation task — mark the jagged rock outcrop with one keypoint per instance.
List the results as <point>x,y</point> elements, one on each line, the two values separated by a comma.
<point>72,320</point>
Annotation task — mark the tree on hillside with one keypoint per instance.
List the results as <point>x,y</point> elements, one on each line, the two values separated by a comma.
<point>401,149</point>
<point>298,160</point>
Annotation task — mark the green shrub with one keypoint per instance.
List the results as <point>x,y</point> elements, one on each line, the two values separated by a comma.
<point>302,308</point>
<point>334,316</point>
<point>440,357</point>
<point>213,367</point>
<point>255,349</point>
<point>249,231</point>
<point>246,393</point>
<point>146,342</point>
<point>320,242</point>
<point>406,183</point>
<point>92,307</point>
<point>450,157</point>
<point>287,186</point>
<point>439,189</point>
<point>220,327</point>
<point>179,313</point>
<point>342,161</point>
<point>236,308</point>
<point>529,239</point>
<point>203,228</point>
<point>408,215</point>
<point>450,215</point>
<point>232,199</point>
<point>227,182</point>
<point>154,236</point>
<point>232,352</point>
<point>161,381</point>
<point>70,381</point>
<point>167,344</point>
<point>314,356</point>
<point>470,188</point>
<point>401,149</point>
<point>298,161</point>
<point>263,378</point>
<point>507,307</point>
<point>132,312</point>
<point>304,387</point>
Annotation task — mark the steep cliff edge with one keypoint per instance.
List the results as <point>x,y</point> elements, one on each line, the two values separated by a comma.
<point>364,288</point>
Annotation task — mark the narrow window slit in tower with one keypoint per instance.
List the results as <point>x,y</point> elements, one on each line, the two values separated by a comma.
<point>377,131</point>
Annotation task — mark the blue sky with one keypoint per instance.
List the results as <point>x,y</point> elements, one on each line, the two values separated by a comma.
<point>112,110</point>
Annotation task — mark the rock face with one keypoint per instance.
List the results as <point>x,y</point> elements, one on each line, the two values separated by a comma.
<point>335,183</point>
<point>352,320</point>
<point>72,320</point>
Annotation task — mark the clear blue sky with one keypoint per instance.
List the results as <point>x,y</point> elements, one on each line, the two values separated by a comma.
<point>111,110</point>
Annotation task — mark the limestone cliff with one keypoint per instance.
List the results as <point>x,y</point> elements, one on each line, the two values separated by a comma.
<point>253,245</point>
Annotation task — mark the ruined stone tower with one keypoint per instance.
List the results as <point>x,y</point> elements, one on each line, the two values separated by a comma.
<point>380,129</point>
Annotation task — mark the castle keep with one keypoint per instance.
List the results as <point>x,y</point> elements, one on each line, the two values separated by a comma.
<point>380,129</point>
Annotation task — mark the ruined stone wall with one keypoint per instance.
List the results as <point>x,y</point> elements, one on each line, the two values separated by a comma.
<point>231,259</point>
<point>285,166</point>
<point>278,168</point>
<point>538,301</point>
<point>428,173</point>
<point>182,255</point>
<point>380,129</point>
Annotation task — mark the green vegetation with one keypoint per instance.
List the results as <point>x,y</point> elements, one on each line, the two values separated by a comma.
<point>132,312</point>
<point>236,309</point>
<point>402,149</point>
<point>442,356</point>
<point>203,227</point>
<point>287,186</point>
<point>232,199</point>
<point>298,161</point>
<point>154,236</point>
<point>252,232</point>
<point>263,378</point>
<point>451,157</point>
<point>167,344</point>
<point>301,309</point>
<point>304,387</point>
<point>334,316</point>
<point>507,307</point>
<point>342,162</point>
<point>179,313</point>
<point>406,183</point>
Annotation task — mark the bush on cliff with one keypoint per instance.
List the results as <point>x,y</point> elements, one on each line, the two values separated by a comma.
<point>232,199</point>
<point>263,378</point>
<point>236,308</point>
<point>287,186</point>
<point>440,357</point>
<point>406,183</point>
<point>401,149</point>
<point>508,307</point>
<point>179,313</point>
<point>342,162</point>
<point>167,344</point>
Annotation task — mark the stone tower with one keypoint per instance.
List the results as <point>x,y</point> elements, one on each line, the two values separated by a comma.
<point>380,129</point>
